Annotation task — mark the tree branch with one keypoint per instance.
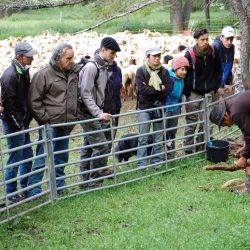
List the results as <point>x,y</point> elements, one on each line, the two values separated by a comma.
<point>136,8</point>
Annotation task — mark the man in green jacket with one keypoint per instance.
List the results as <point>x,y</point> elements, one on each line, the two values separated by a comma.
<point>53,99</point>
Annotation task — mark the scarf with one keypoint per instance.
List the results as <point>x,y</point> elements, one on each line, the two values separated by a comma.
<point>154,80</point>
<point>205,52</point>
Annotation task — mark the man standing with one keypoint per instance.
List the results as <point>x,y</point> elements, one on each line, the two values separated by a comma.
<point>204,76</point>
<point>225,49</point>
<point>15,83</point>
<point>53,99</point>
<point>92,91</point>
<point>236,111</point>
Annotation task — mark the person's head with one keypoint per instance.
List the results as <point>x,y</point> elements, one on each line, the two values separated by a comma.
<point>154,55</point>
<point>24,53</point>
<point>227,37</point>
<point>181,48</point>
<point>63,56</point>
<point>167,58</point>
<point>202,39</point>
<point>108,49</point>
<point>180,66</point>
<point>220,116</point>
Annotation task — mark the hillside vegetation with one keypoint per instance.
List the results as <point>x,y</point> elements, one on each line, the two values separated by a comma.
<point>71,19</point>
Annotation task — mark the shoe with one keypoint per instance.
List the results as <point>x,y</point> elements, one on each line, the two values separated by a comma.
<point>16,198</point>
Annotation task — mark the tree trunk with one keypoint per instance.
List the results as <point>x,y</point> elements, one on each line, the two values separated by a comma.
<point>186,13</point>
<point>177,16</point>
<point>207,13</point>
<point>242,10</point>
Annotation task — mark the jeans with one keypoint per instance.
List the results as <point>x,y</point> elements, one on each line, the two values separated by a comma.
<point>171,134</point>
<point>19,155</point>
<point>143,140</point>
<point>59,145</point>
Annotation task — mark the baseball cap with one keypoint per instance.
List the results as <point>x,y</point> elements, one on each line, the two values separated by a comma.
<point>217,114</point>
<point>153,51</point>
<point>228,31</point>
<point>25,49</point>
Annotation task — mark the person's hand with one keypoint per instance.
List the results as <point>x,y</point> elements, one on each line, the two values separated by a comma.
<point>229,89</point>
<point>106,116</point>
<point>220,92</point>
<point>163,87</point>
<point>239,151</point>
<point>242,162</point>
<point>1,109</point>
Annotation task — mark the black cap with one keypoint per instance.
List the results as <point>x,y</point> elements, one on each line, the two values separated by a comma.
<point>110,43</point>
<point>217,113</point>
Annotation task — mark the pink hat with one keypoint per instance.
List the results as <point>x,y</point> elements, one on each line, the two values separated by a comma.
<point>180,62</point>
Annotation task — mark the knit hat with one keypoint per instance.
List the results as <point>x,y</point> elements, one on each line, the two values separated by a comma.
<point>180,62</point>
<point>217,113</point>
<point>25,49</point>
<point>110,43</point>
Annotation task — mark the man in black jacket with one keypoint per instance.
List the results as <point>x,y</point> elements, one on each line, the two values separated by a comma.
<point>15,117</point>
<point>154,85</point>
<point>203,77</point>
<point>236,111</point>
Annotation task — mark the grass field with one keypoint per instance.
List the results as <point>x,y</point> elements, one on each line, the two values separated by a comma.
<point>75,18</point>
<point>184,209</point>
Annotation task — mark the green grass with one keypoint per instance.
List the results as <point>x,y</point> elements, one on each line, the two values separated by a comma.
<point>80,17</point>
<point>170,211</point>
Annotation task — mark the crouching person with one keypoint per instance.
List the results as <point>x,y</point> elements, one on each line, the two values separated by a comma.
<point>154,85</point>
<point>177,73</point>
<point>93,79</point>
<point>53,100</point>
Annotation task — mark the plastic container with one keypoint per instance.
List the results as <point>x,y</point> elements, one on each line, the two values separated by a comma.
<point>217,151</point>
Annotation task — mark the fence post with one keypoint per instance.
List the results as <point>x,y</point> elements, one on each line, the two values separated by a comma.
<point>47,134</point>
<point>206,118</point>
<point>112,120</point>
<point>164,136</point>
<point>3,182</point>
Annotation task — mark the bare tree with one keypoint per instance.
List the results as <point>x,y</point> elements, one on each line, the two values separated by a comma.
<point>180,14</point>
<point>207,12</point>
<point>242,9</point>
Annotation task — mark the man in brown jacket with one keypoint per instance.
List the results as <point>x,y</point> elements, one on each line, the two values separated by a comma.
<point>236,111</point>
<point>53,99</point>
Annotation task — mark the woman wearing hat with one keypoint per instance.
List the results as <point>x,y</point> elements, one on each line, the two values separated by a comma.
<point>177,73</point>
<point>154,85</point>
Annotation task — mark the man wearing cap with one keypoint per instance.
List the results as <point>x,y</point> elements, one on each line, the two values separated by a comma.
<point>236,111</point>
<point>224,47</point>
<point>203,77</point>
<point>15,83</point>
<point>154,85</point>
<point>92,92</point>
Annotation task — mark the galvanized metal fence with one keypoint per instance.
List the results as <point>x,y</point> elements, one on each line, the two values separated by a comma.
<point>122,172</point>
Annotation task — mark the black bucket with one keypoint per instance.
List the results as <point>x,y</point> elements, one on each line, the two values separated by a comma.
<point>217,151</point>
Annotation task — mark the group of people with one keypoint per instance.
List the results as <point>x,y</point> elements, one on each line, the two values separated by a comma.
<point>65,91</point>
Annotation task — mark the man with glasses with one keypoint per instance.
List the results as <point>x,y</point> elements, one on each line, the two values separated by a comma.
<point>15,83</point>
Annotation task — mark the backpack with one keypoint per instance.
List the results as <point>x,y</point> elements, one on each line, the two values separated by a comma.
<point>108,106</point>
<point>193,59</point>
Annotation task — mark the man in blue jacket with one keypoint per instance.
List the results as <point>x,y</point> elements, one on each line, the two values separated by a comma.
<point>224,47</point>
